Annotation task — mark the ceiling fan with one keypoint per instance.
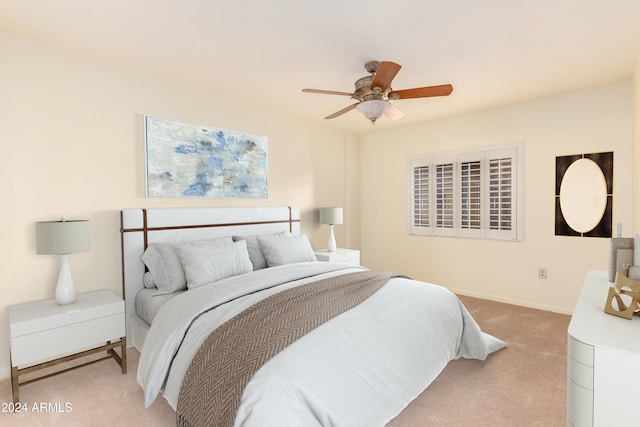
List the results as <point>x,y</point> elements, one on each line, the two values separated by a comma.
<point>374,92</point>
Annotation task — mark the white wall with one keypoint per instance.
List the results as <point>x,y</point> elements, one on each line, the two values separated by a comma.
<point>587,121</point>
<point>72,144</point>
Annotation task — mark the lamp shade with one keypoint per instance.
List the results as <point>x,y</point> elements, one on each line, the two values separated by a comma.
<point>373,109</point>
<point>62,237</point>
<point>331,215</point>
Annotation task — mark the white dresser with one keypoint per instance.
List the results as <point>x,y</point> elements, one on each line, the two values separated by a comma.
<point>603,360</point>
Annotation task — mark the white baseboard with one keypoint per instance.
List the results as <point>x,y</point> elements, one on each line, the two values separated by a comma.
<point>514,302</point>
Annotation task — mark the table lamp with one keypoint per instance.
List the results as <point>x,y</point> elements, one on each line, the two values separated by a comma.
<point>63,238</point>
<point>331,216</point>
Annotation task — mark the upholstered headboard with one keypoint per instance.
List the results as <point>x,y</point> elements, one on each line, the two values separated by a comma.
<point>139,227</point>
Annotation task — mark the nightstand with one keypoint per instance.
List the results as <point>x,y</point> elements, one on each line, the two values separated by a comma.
<point>44,334</point>
<point>350,256</point>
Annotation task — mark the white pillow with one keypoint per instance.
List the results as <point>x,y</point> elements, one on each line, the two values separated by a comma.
<point>253,247</point>
<point>147,280</point>
<point>162,261</point>
<point>206,264</point>
<point>286,251</point>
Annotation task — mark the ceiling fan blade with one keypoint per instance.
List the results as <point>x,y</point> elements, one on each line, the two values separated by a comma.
<point>327,92</point>
<point>384,75</point>
<point>421,92</point>
<point>341,112</point>
<point>393,113</point>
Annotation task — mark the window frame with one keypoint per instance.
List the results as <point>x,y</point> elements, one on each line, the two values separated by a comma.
<point>453,186</point>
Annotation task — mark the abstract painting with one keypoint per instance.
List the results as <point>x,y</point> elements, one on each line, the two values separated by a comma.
<point>190,160</point>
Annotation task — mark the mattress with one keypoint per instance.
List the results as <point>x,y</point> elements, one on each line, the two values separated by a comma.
<point>148,303</point>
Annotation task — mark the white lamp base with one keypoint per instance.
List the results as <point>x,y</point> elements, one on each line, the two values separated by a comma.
<point>331,242</point>
<point>66,288</point>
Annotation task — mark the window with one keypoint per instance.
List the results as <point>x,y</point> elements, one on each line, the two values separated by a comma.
<point>473,193</point>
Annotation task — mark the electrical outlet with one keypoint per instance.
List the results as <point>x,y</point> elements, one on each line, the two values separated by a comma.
<point>542,273</point>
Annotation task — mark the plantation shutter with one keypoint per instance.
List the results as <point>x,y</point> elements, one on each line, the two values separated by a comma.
<point>500,194</point>
<point>502,212</point>
<point>444,196</point>
<point>471,195</point>
<point>421,196</point>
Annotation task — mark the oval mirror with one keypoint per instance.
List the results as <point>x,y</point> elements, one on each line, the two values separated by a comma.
<point>583,195</point>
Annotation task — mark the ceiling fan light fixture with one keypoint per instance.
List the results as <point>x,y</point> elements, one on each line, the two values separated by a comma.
<point>373,109</point>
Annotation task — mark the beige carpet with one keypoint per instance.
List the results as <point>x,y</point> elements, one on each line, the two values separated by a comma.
<point>522,385</point>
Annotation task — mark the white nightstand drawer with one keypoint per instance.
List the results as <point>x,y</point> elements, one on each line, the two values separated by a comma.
<point>42,315</point>
<point>34,348</point>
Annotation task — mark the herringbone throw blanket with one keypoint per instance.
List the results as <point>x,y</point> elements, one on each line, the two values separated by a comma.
<point>214,383</point>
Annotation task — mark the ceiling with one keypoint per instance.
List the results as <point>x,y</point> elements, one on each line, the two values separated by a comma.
<point>494,52</point>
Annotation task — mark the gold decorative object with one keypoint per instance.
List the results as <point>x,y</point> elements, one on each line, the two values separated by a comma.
<point>628,287</point>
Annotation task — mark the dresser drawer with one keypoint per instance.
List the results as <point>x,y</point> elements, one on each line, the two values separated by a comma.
<point>579,405</point>
<point>581,374</point>
<point>579,351</point>
<point>37,347</point>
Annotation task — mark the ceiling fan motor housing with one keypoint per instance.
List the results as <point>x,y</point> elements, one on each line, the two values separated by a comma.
<point>363,90</point>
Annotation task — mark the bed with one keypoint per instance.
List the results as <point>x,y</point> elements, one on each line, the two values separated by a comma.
<point>259,333</point>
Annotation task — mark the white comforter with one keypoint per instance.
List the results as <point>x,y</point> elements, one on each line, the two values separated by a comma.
<point>359,369</point>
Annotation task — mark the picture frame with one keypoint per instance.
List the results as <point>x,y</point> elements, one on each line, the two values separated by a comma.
<point>191,160</point>
<point>583,209</point>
